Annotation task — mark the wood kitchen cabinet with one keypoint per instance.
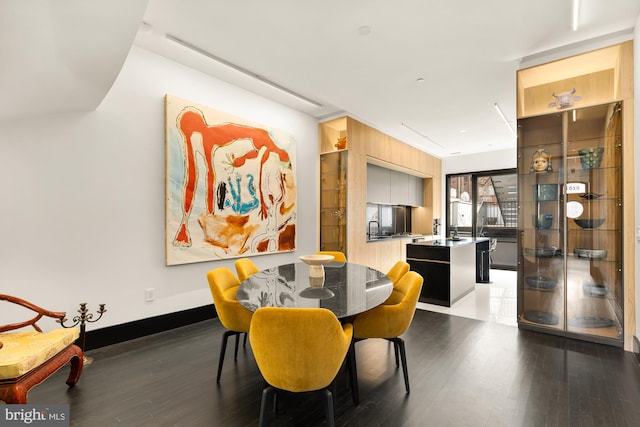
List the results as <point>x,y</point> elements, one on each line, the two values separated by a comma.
<point>364,146</point>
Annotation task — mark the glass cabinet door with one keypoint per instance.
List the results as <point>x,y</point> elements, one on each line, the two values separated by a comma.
<point>333,201</point>
<point>541,267</point>
<point>570,222</point>
<point>594,221</point>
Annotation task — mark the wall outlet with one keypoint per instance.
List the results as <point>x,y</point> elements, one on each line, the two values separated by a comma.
<point>150,294</point>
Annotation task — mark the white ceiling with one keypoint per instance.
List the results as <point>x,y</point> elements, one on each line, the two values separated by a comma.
<point>62,55</point>
<point>467,52</point>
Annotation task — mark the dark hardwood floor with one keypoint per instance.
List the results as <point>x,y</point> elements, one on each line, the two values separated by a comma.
<point>463,372</point>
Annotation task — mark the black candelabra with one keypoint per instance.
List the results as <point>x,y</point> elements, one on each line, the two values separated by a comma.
<point>83,318</point>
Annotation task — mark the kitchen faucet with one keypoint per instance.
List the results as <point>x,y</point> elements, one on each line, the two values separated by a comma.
<point>369,227</point>
<point>454,234</point>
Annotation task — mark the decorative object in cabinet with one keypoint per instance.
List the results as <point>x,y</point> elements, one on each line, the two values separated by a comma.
<point>342,143</point>
<point>541,161</point>
<point>565,99</point>
<point>590,158</point>
<point>589,224</point>
<point>542,221</point>
<point>541,282</point>
<point>570,228</point>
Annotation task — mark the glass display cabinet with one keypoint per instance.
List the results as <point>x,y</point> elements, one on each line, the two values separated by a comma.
<point>333,201</point>
<point>570,279</point>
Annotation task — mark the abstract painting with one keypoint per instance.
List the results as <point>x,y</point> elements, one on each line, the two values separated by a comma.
<point>230,185</point>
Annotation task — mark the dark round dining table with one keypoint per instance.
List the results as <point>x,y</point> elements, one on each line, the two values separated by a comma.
<point>348,288</point>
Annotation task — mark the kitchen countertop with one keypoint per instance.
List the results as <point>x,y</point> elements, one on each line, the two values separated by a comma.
<point>411,236</point>
<point>449,243</point>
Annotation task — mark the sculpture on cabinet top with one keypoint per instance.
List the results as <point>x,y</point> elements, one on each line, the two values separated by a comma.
<point>541,161</point>
<point>564,99</point>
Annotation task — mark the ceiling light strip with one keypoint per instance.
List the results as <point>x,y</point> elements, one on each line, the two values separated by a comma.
<point>421,134</point>
<point>241,70</point>
<point>504,119</point>
<point>575,15</point>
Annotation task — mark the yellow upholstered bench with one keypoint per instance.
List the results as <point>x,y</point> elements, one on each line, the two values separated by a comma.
<point>29,357</point>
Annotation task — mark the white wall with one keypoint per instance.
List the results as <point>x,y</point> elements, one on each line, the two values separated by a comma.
<point>491,160</point>
<point>83,196</point>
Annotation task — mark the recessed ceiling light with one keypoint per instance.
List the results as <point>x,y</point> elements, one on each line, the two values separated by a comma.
<point>365,30</point>
<point>463,131</point>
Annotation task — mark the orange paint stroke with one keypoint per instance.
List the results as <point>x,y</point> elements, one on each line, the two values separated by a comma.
<point>191,121</point>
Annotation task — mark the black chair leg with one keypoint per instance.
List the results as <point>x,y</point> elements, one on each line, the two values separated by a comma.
<point>395,350</point>
<point>223,349</point>
<point>353,374</point>
<point>328,408</point>
<point>403,357</point>
<point>235,353</point>
<point>245,339</point>
<point>334,391</point>
<point>267,395</point>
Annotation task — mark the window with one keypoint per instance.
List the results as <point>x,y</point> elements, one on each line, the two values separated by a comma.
<point>484,204</point>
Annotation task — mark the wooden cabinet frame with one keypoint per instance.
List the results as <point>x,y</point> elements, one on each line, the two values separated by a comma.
<point>600,76</point>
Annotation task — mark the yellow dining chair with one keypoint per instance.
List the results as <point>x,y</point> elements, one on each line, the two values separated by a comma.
<point>245,268</point>
<point>298,350</point>
<point>389,321</point>
<point>234,317</point>
<point>337,255</point>
<point>397,271</point>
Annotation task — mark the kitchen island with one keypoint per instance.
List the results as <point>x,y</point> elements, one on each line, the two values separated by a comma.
<point>450,267</point>
<point>414,237</point>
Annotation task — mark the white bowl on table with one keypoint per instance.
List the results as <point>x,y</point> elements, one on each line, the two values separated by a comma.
<point>316,268</point>
<point>316,259</point>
